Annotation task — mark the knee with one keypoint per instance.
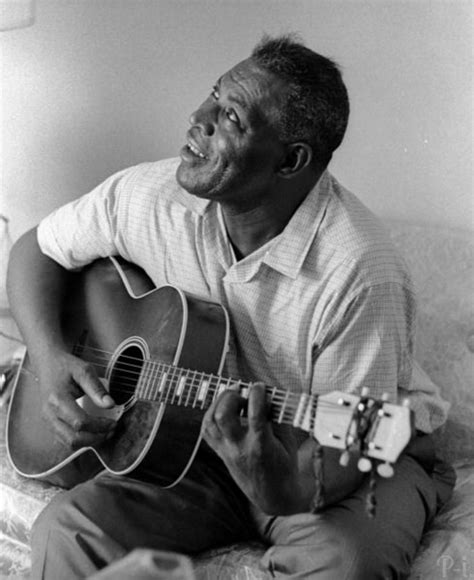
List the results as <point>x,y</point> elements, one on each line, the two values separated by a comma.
<point>48,535</point>
<point>360,560</point>
<point>336,553</point>
<point>374,552</point>
<point>49,518</point>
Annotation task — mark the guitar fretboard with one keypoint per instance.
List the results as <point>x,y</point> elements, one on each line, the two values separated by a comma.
<point>176,386</point>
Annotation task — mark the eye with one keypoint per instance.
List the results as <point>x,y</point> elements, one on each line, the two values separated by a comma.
<point>232,116</point>
<point>229,113</point>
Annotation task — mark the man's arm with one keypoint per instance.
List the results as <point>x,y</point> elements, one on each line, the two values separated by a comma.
<point>36,286</point>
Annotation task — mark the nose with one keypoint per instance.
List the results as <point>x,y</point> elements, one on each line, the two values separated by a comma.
<point>205,118</point>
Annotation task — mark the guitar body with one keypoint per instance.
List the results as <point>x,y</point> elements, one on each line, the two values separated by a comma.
<point>114,317</point>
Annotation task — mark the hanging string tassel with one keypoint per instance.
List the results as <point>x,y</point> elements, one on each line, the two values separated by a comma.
<point>318,499</point>
<point>371,500</point>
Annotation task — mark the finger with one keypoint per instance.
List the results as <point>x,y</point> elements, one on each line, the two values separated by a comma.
<point>227,415</point>
<point>76,440</point>
<point>86,377</point>
<point>210,430</point>
<point>222,419</point>
<point>257,407</point>
<point>231,390</point>
<point>65,408</point>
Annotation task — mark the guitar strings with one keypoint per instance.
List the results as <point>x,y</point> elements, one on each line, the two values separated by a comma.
<point>135,367</point>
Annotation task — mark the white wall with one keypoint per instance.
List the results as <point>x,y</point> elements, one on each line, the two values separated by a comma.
<point>98,85</point>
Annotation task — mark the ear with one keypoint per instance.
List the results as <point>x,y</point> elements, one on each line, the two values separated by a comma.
<point>298,156</point>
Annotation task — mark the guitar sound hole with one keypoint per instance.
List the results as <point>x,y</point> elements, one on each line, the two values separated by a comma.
<point>125,374</point>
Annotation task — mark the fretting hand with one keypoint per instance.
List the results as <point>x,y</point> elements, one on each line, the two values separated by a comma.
<point>263,463</point>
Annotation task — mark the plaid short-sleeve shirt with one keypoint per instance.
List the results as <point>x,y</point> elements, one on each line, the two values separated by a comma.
<point>325,305</point>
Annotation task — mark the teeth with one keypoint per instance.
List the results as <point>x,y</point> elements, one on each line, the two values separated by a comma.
<point>196,151</point>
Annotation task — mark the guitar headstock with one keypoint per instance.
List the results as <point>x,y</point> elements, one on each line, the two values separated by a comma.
<point>334,424</point>
<point>378,429</point>
<point>389,434</point>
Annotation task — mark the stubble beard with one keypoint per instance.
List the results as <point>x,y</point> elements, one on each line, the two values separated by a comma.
<point>209,185</point>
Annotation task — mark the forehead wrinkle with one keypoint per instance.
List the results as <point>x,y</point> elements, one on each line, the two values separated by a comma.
<point>255,96</point>
<point>232,95</point>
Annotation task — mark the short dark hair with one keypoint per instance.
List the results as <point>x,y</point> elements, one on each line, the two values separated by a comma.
<point>316,108</point>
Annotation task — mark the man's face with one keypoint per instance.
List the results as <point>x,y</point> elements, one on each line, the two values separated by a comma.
<point>233,151</point>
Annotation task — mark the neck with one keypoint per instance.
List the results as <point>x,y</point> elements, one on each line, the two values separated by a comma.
<point>251,226</point>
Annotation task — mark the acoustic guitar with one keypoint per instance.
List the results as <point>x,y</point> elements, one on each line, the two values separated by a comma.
<point>160,353</point>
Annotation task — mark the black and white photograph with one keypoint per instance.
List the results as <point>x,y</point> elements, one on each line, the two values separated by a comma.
<point>236,290</point>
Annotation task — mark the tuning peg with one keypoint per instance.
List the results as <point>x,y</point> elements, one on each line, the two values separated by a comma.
<point>364,464</point>
<point>385,470</point>
<point>365,391</point>
<point>385,397</point>
<point>344,458</point>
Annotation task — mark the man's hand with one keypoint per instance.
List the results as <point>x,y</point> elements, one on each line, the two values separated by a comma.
<point>63,379</point>
<point>264,464</point>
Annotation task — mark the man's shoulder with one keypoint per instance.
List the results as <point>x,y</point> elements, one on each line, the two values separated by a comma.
<point>348,222</point>
<point>353,235</point>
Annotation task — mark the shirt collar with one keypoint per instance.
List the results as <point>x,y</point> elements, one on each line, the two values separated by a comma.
<point>289,250</point>
<point>286,252</point>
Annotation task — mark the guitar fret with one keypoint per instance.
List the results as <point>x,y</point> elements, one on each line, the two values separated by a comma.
<point>272,397</point>
<point>141,383</point>
<point>283,408</point>
<point>212,392</point>
<point>150,391</point>
<point>185,388</point>
<point>198,388</point>
<point>190,388</point>
<point>275,404</point>
<point>148,384</point>
<point>171,385</point>
<point>221,387</point>
<point>180,388</point>
<point>215,389</point>
<point>155,378</point>
<point>173,380</point>
<point>162,383</point>
<point>299,414</point>
<point>202,392</point>
<point>140,387</point>
<point>169,393</point>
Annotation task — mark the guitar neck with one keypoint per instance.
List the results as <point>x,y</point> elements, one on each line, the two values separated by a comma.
<point>336,419</point>
<point>173,385</point>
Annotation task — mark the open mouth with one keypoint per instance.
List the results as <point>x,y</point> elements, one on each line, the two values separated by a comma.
<point>195,151</point>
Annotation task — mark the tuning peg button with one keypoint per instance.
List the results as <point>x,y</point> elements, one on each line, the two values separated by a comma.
<point>385,470</point>
<point>364,464</point>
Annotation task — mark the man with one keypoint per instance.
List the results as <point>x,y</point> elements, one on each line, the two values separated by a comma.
<point>319,301</point>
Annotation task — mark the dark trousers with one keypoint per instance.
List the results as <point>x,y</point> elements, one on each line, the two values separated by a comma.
<point>100,521</point>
